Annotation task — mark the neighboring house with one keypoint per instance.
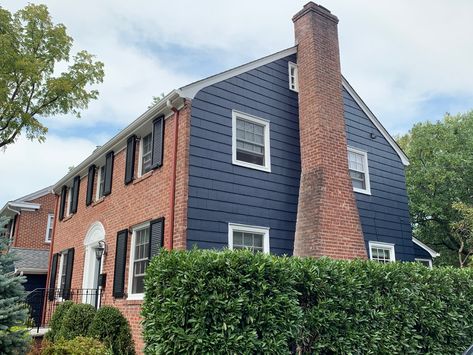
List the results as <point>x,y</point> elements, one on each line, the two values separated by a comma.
<point>279,155</point>
<point>29,227</point>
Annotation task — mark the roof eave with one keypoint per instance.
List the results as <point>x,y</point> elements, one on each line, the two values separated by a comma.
<point>117,139</point>
<point>429,250</point>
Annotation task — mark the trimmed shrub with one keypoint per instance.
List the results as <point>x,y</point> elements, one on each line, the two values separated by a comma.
<point>209,302</point>
<point>239,302</point>
<point>111,328</point>
<point>76,321</point>
<point>55,323</point>
<point>77,346</point>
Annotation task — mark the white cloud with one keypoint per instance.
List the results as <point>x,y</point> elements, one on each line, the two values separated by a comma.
<point>398,55</point>
<point>29,166</point>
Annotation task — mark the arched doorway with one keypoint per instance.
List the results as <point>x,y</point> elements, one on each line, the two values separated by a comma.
<point>94,239</point>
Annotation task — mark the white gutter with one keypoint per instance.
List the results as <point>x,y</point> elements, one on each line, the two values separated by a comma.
<point>113,143</point>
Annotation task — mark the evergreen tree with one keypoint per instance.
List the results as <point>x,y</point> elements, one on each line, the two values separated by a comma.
<point>14,338</point>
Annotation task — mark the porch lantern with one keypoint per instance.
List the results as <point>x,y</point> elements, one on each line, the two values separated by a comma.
<point>99,251</point>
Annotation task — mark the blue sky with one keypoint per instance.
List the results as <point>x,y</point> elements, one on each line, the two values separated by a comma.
<point>409,61</point>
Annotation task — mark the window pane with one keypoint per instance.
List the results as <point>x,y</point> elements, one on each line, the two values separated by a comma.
<point>141,259</point>
<point>146,154</point>
<point>245,240</point>
<point>250,142</point>
<point>382,255</point>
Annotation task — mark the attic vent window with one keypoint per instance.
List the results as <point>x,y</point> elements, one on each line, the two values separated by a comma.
<point>293,77</point>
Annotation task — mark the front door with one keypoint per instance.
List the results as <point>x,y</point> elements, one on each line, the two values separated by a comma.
<point>92,267</point>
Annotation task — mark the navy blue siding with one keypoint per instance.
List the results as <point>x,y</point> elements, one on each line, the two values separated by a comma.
<point>384,214</point>
<point>421,253</point>
<point>222,193</point>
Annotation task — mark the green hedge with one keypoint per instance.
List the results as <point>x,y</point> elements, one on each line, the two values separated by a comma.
<point>76,321</point>
<point>239,302</point>
<point>111,328</point>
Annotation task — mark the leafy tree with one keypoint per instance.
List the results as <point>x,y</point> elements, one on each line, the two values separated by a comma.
<point>462,231</point>
<point>156,99</point>
<point>32,49</point>
<point>440,174</point>
<point>13,313</point>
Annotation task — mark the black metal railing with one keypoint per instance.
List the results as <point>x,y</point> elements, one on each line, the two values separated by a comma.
<point>43,301</point>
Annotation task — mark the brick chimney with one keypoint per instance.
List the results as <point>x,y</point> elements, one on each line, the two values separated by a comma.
<point>328,223</point>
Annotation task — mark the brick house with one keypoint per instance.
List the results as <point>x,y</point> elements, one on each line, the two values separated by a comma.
<point>28,224</point>
<point>279,155</point>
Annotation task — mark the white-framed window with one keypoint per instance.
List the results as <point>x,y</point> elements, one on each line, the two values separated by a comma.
<point>49,228</point>
<point>69,201</point>
<point>139,259</point>
<point>61,280</point>
<point>100,182</point>
<point>250,141</point>
<point>293,76</point>
<point>358,169</point>
<point>242,236</point>
<point>146,145</point>
<point>426,262</point>
<point>382,252</point>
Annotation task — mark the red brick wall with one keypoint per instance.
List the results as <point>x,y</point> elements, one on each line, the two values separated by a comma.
<point>327,217</point>
<point>144,199</point>
<point>30,231</point>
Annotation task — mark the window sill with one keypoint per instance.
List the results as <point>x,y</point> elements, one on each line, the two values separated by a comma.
<point>143,177</point>
<point>66,218</point>
<point>361,191</point>
<point>252,166</point>
<point>99,201</point>
<point>136,298</point>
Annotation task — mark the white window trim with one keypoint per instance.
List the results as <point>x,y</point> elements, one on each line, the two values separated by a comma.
<point>69,201</point>
<point>367,190</point>
<point>423,259</point>
<point>130,295</point>
<point>382,245</point>
<point>291,65</point>
<point>97,187</point>
<point>59,278</point>
<point>50,220</point>
<point>267,151</point>
<point>140,153</point>
<point>235,227</point>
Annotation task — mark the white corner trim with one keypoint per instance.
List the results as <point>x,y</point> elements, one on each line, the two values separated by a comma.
<point>251,229</point>
<point>189,91</point>
<point>382,245</point>
<point>375,121</point>
<point>429,250</point>
<point>367,190</point>
<point>267,141</point>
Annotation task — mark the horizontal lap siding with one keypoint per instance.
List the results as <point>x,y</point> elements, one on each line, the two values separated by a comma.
<point>384,215</point>
<point>222,193</point>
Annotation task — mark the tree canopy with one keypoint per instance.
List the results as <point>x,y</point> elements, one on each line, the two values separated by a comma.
<point>440,177</point>
<point>32,48</point>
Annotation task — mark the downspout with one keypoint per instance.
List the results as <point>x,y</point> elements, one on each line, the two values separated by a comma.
<point>172,200</point>
<point>51,246</point>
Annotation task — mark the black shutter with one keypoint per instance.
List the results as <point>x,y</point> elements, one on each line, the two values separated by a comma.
<point>52,278</point>
<point>75,194</point>
<point>108,173</point>
<point>156,236</point>
<point>66,293</point>
<point>120,263</point>
<point>62,205</point>
<point>90,185</point>
<point>158,142</point>
<point>130,159</point>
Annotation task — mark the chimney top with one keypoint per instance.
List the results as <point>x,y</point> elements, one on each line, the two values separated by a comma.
<point>312,6</point>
